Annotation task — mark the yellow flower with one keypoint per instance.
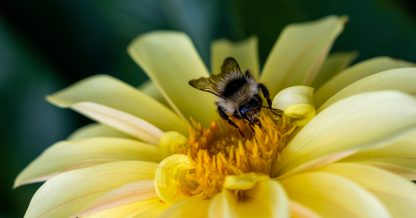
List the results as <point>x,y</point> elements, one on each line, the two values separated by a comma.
<point>351,153</point>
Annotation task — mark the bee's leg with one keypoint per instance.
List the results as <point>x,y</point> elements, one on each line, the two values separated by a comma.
<point>254,122</point>
<point>224,116</point>
<point>257,122</point>
<point>251,126</point>
<point>265,94</point>
<point>269,102</point>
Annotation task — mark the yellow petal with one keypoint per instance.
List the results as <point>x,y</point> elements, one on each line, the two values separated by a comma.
<point>223,205</point>
<point>112,93</point>
<point>120,120</point>
<point>131,210</point>
<point>155,211</point>
<point>172,178</point>
<point>299,53</point>
<point>349,125</point>
<point>243,182</point>
<point>170,60</point>
<point>401,79</point>
<point>66,194</point>
<point>150,89</point>
<point>297,210</point>
<point>97,130</point>
<point>297,103</point>
<point>191,207</point>
<point>70,155</point>
<point>333,196</point>
<point>172,142</point>
<point>265,199</point>
<point>396,193</point>
<point>245,52</point>
<point>400,153</point>
<point>130,193</point>
<point>334,64</point>
<point>355,73</point>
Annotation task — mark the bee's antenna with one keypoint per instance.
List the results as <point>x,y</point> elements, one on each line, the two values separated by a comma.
<point>274,110</point>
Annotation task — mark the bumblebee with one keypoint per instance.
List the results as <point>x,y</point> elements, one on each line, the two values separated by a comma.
<point>238,94</point>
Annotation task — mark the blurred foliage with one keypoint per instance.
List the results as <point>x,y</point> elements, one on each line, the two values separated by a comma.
<point>49,45</point>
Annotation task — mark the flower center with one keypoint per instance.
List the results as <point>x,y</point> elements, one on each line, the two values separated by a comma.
<point>220,150</point>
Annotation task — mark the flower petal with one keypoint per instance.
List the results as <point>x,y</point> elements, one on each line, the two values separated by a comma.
<point>333,196</point>
<point>265,199</point>
<point>396,168</point>
<point>243,182</point>
<point>155,210</point>
<point>66,194</point>
<point>70,155</point>
<point>299,52</point>
<point>150,207</point>
<point>97,130</point>
<point>171,61</point>
<point>396,193</point>
<point>120,120</point>
<point>297,210</point>
<point>171,178</point>
<point>107,91</point>
<point>355,73</point>
<point>150,89</point>
<point>355,123</point>
<point>334,64</point>
<point>401,79</point>
<point>398,156</point>
<point>223,205</point>
<point>245,52</point>
<point>171,143</point>
<point>130,193</point>
<point>297,103</point>
<point>191,207</point>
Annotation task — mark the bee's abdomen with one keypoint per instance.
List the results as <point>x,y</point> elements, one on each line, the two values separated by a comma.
<point>234,86</point>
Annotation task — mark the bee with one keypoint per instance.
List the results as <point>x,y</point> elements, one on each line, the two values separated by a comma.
<point>238,94</point>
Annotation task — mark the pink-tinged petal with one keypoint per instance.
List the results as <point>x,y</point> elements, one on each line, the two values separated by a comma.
<point>130,193</point>
<point>111,95</point>
<point>68,193</point>
<point>191,207</point>
<point>97,130</point>
<point>75,154</point>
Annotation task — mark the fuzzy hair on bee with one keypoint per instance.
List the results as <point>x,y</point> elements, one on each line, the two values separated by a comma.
<point>238,94</point>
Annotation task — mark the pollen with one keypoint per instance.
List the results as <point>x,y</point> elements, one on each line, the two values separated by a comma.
<point>221,150</point>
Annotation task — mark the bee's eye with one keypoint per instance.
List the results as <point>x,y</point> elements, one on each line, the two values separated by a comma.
<point>243,109</point>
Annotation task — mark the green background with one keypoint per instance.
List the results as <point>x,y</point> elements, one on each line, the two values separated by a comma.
<point>47,45</point>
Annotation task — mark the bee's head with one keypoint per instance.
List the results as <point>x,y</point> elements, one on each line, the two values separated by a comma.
<point>251,109</point>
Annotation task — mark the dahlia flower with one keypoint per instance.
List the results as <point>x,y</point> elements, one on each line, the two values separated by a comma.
<point>347,149</point>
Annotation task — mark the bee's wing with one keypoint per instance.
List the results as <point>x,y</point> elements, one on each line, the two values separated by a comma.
<point>229,69</point>
<point>229,65</point>
<point>205,84</point>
